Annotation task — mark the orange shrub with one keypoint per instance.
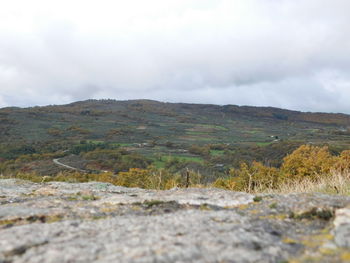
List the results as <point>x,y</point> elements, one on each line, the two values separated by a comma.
<point>342,163</point>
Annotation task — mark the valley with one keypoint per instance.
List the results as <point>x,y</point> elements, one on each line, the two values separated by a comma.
<point>110,136</point>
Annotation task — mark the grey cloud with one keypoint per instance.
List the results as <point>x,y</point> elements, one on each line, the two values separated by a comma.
<point>291,53</point>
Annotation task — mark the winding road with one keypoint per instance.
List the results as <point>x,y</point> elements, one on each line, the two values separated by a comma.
<point>56,161</point>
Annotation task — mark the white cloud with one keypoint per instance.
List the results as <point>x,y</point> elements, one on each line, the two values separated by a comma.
<point>285,53</point>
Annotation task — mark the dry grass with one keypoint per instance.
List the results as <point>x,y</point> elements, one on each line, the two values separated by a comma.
<point>336,183</point>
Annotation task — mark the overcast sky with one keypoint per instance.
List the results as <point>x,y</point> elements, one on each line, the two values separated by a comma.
<point>285,53</point>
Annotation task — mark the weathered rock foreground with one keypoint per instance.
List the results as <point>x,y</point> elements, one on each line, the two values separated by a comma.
<point>98,222</point>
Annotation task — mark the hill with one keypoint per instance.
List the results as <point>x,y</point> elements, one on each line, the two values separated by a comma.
<point>148,131</point>
<point>144,120</point>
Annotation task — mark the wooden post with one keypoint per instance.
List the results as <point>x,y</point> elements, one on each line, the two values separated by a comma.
<point>187,178</point>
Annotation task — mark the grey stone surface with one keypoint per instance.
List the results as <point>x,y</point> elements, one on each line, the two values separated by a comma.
<point>342,227</point>
<point>98,222</point>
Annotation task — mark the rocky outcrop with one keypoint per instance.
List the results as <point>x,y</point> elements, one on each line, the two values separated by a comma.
<point>99,222</point>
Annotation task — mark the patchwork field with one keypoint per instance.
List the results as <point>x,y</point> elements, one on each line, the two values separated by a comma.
<point>163,133</point>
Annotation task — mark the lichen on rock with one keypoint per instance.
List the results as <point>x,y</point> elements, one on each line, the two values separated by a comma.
<point>95,222</point>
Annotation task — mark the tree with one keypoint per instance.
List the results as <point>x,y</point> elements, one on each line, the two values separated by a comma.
<point>308,161</point>
<point>342,163</point>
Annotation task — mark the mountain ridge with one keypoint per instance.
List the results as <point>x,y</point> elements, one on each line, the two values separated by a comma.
<point>307,116</point>
<point>110,135</point>
<point>224,133</point>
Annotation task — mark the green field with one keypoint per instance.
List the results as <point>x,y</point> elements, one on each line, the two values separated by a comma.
<point>150,129</point>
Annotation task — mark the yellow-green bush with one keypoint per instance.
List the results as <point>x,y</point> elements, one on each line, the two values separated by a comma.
<point>249,178</point>
<point>152,178</point>
<point>225,183</point>
<point>342,163</point>
<point>308,161</point>
<point>135,178</point>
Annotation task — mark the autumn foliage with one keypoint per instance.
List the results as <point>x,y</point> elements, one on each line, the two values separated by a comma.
<point>308,162</point>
